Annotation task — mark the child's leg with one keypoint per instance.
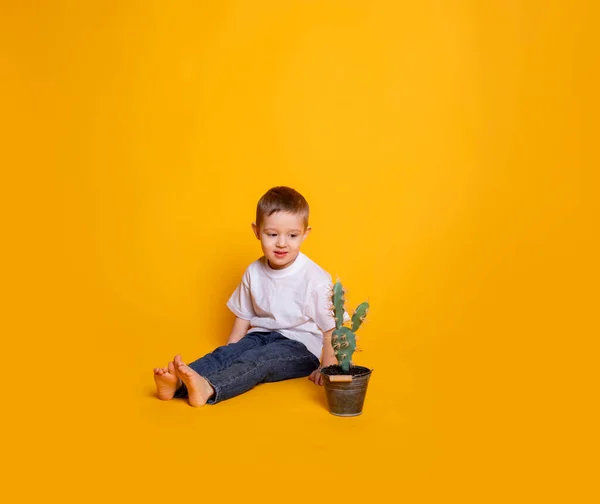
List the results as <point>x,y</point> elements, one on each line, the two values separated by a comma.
<point>215,361</point>
<point>222,357</point>
<point>279,359</point>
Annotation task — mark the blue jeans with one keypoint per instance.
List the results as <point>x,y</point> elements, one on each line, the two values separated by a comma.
<point>258,357</point>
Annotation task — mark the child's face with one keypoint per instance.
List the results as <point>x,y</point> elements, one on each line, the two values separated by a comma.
<point>281,235</point>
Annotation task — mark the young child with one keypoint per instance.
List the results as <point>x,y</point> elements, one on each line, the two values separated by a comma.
<point>283,321</point>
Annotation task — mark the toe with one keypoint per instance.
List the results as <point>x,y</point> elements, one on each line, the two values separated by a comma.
<point>184,370</point>
<point>171,368</point>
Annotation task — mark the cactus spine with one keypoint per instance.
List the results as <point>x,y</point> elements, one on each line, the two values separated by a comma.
<point>343,338</point>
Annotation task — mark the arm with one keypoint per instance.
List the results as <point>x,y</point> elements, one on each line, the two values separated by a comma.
<point>328,358</point>
<point>240,327</point>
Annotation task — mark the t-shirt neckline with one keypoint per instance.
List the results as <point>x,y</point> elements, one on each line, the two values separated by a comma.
<point>280,273</point>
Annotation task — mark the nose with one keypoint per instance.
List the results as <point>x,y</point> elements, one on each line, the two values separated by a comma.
<point>281,241</point>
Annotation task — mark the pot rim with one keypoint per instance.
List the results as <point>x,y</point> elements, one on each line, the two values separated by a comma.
<point>370,370</point>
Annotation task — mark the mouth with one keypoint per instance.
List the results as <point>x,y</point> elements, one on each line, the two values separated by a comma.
<point>280,254</point>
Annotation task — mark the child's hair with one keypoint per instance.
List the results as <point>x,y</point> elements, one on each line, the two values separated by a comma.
<point>281,199</point>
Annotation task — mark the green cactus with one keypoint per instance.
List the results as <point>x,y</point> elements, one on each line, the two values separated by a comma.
<point>359,315</point>
<point>343,338</point>
<point>338,304</point>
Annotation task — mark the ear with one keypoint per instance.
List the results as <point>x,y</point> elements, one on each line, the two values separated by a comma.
<point>256,230</point>
<point>306,233</point>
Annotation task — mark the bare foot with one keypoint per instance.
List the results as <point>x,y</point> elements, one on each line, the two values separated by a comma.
<point>199,390</point>
<point>167,382</point>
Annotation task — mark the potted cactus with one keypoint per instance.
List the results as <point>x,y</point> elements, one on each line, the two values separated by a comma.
<point>345,384</point>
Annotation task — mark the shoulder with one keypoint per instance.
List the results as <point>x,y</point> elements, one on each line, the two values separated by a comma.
<point>256,265</point>
<point>254,269</point>
<point>315,274</point>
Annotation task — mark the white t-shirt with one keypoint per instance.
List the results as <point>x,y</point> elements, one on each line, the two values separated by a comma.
<point>294,301</point>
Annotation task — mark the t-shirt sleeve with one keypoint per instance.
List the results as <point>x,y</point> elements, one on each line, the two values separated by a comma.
<point>240,302</point>
<point>320,309</point>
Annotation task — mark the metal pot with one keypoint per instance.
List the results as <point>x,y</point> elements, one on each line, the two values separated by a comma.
<point>346,398</point>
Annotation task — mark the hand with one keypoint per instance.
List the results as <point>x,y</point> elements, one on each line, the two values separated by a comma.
<point>315,376</point>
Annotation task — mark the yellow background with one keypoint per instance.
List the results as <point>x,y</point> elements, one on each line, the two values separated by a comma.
<point>447,150</point>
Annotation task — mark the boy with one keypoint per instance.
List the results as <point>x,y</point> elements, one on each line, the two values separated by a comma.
<point>283,321</point>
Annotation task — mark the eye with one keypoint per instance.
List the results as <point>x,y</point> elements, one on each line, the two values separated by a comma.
<point>271,234</point>
<point>293,236</point>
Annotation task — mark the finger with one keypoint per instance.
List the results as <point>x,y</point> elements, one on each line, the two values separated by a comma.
<point>312,376</point>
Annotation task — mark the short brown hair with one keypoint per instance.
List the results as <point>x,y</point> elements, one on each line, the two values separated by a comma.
<point>281,199</point>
